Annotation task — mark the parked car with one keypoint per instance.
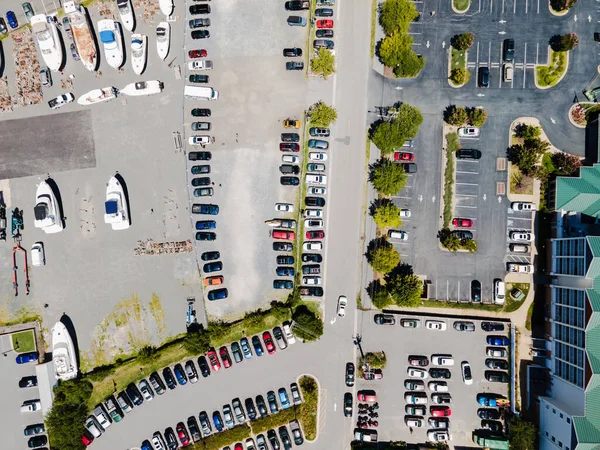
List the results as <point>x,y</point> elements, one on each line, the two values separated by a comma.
<point>324,23</point>
<point>200,34</point>
<point>268,342</point>
<point>495,376</point>
<point>466,373</point>
<point>192,425</point>
<point>468,132</point>
<point>224,354</point>
<point>296,21</point>
<point>198,53</point>
<point>324,33</point>
<point>492,326</point>
<point>462,325</point>
<point>201,112</point>
<point>318,144</point>
<point>25,358</point>
<point>384,319</point>
<point>462,223</point>
<point>498,340</point>
<point>272,401</point>
<point>180,374</point>
<point>294,65</point>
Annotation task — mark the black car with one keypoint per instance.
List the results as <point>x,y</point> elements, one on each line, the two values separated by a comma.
<point>468,153</point>
<point>250,409</point>
<point>210,256</point>
<point>285,271</point>
<point>292,52</point>
<point>212,267</point>
<point>476,292</point>
<point>283,284</point>
<point>201,112</point>
<point>285,437</point>
<point>290,137</point>
<point>495,376</point>
<point>169,378</point>
<point>156,383</point>
<point>27,382</point>
<point>261,406</point>
<point>37,441</point>
<point>484,77</point>
<point>492,326</point>
<point>350,374</point>
<point>237,352</point>
<point>203,364</point>
<point>199,156</point>
<point>324,12</point>
<point>289,181</point>
<point>171,439</point>
<point>283,246</point>
<point>289,168</point>
<point>199,9</point>
<point>508,48</point>
<point>193,428</point>
<point>348,404</point>
<point>272,401</point>
<point>285,260</point>
<point>324,34</point>
<point>200,34</point>
<point>384,319</point>
<point>314,201</point>
<point>297,5</point>
<point>197,170</point>
<point>312,257</point>
<point>204,181</point>
<point>462,234</point>
<point>440,373</point>
<point>488,413</point>
<point>312,291</point>
<point>196,78</point>
<point>272,437</point>
<point>206,236</point>
<point>323,43</point>
<point>198,23</point>
<point>410,168</point>
<point>493,363</point>
<point>199,208</point>
<point>32,430</point>
<point>311,269</point>
<point>493,425</point>
<point>134,394</point>
<point>294,65</point>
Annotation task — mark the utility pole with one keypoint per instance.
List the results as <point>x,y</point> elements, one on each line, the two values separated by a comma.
<point>357,342</point>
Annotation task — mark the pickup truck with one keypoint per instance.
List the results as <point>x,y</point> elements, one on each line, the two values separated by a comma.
<point>520,268</point>
<point>200,65</point>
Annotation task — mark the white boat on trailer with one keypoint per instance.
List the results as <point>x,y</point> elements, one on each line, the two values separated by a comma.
<point>82,34</point>
<point>98,96</point>
<point>46,33</point>
<point>163,39</point>
<point>143,88</point>
<point>126,13</point>
<point>47,210</point>
<point>139,52</point>
<point>116,212</point>
<point>63,353</point>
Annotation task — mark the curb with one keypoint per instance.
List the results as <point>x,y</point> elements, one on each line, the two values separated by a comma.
<point>557,13</point>
<point>452,85</point>
<point>575,124</point>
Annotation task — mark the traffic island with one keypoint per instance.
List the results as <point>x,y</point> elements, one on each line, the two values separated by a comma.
<point>461,6</point>
<point>547,76</point>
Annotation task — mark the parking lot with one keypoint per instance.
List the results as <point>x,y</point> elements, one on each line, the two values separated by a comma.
<point>461,345</point>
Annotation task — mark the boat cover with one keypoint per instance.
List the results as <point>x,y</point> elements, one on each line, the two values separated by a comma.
<point>107,36</point>
<point>111,207</point>
<point>40,211</point>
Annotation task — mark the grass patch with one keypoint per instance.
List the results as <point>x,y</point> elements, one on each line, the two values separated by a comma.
<point>461,5</point>
<point>302,196</point>
<point>528,320</point>
<point>549,75</point>
<point>22,316</point>
<point>513,304</point>
<point>24,341</point>
<point>308,408</point>
<point>453,145</point>
<point>456,305</point>
<point>519,182</point>
<point>373,26</point>
<point>226,437</point>
<point>459,59</point>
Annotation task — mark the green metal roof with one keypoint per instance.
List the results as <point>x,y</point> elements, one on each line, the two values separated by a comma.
<point>594,245</point>
<point>580,194</point>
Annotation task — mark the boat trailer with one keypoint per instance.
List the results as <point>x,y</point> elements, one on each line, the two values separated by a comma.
<point>16,227</point>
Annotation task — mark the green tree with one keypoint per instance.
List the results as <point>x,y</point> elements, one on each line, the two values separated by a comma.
<point>388,178</point>
<point>526,156</point>
<point>566,163</point>
<point>384,258</point>
<point>451,242</point>
<point>309,327</point>
<point>391,48</point>
<point>197,341</point>
<point>470,245</point>
<point>409,65</point>
<point>523,131</point>
<point>380,298</point>
<point>322,115</point>
<point>396,16</point>
<point>387,215</point>
<point>460,76</point>
<point>405,289</point>
<point>565,42</point>
<point>463,41</point>
<point>457,116</point>
<point>522,434</point>
<point>477,116</point>
<point>408,119</point>
<point>323,64</point>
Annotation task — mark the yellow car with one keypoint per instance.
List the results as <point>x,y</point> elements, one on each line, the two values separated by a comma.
<point>291,123</point>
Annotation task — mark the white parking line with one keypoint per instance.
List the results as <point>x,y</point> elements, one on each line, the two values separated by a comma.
<point>490,54</point>
<point>401,196</point>
<point>468,184</point>
<point>465,195</point>
<point>502,6</point>
<point>466,171</point>
<point>538,8</point>
<point>465,206</point>
<point>514,6</point>
<point>477,60</point>
<point>469,161</point>
<point>524,64</point>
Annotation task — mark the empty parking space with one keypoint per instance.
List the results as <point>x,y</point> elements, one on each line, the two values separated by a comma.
<point>518,221</point>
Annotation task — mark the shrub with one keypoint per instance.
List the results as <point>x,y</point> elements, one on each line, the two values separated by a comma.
<point>387,215</point>
<point>388,178</point>
<point>224,438</point>
<point>410,64</point>
<point>450,242</point>
<point>322,115</point>
<point>323,64</point>
<point>396,16</point>
<point>564,43</point>
<point>477,116</point>
<point>405,289</point>
<point>380,298</point>
<point>562,5</point>
<point>308,327</point>
<point>376,360</point>
<point>308,409</point>
<point>460,76</point>
<point>470,245</point>
<point>456,115</point>
<point>383,258</point>
<point>283,417</point>
<point>527,131</point>
<point>392,47</point>
<point>522,434</point>
<point>565,163</point>
<point>463,41</point>
<point>197,341</point>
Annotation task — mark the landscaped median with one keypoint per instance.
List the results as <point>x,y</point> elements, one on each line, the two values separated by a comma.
<point>461,6</point>
<point>550,75</point>
<point>458,74</point>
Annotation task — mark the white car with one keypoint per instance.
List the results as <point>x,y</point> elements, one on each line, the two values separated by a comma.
<point>284,207</point>
<point>466,373</point>
<point>92,427</point>
<point>438,386</point>
<point>438,422</point>
<point>313,213</point>
<point>201,64</point>
<point>38,256</point>
<point>31,406</point>
<point>438,436</point>
<point>289,336</point>
<point>496,352</point>
<point>291,159</point>
<point>250,444</point>
<point>468,132</point>
<point>396,234</point>
<point>404,213</point>
<point>311,281</point>
<point>442,360</point>
<point>316,179</point>
<point>312,246</point>
<point>341,307</point>
<point>200,140</point>
<point>61,100</point>
<point>523,206</point>
<point>416,373</point>
<point>410,323</point>
<point>316,190</point>
<point>313,223</point>
<point>522,236</point>
<point>435,325</point>
<point>520,268</point>
<point>415,399</point>
<point>316,167</point>
<point>415,422</point>
<point>317,156</point>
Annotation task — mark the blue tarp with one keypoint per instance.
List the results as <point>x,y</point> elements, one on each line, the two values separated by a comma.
<point>111,207</point>
<point>107,36</point>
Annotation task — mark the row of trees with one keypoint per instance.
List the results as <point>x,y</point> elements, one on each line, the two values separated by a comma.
<point>395,50</point>
<point>403,124</point>
<point>461,116</point>
<point>402,288</point>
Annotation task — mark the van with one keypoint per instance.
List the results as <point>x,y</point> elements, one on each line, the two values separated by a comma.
<point>499,294</point>
<point>507,72</point>
<point>468,153</point>
<point>484,77</point>
<point>38,256</point>
<point>519,248</point>
<point>202,93</point>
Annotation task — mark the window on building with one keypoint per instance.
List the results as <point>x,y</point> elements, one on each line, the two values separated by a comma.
<point>553,411</point>
<point>561,415</point>
<point>568,421</point>
<point>560,444</point>
<point>546,434</point>
<point>547,406</point>
<point>553,439</point>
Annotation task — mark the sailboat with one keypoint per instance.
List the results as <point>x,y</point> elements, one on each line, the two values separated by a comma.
<point>82,34</point>
<point>163,39</point>
<point>139,46</point>
<point>126,13</point>
<point>63,353</point>
<point>116,212</point>
<point>46,34</point>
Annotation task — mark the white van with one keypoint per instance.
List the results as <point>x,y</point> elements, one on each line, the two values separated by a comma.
<point>202,93</point>
<point>507,72</point>
<point>499,294</point>
<point>38,256</point>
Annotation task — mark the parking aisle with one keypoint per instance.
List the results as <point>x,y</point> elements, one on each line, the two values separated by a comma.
<point>466,188</point>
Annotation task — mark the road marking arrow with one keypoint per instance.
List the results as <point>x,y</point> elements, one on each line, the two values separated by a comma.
<point>433,198</point>
<point>443,44</point>
<point>575,18</point>
<point>335,407</point>
<point>420,198</point>
<point>484,197</point>
<point>332,321</point>
<point>480,95</point>
<point>589,18</point>
<point>502,32</point>
<point>398,88</point>
<point>499,199</point>
<point>502,21</point>
<point>552,120</point>
<point>427,45</point>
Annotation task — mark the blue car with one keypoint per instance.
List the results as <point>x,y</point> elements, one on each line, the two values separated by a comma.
<point>283,398</point>
<point>498,341</point>
<point>218,421</point>
<point>257,345</point>
<point>246,348</point>
<point>12,19</point>
<point>217,294</point>
<point>206,225</point>
<point>205,209</point>
<point>213,267</point>
<point>146,445</point>
<point>180,374</point>
<point>25,358</point>
<point>285,271</point>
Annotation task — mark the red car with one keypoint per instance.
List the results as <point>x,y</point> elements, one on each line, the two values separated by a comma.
<point>269,342</point>
<point>289,147</point>
<point>462,223</point>
<point>315,234</point>
<point>420,361</point>
<point>404,156</point>
<point>325,23</point>
<point>287,235</point>
<point>225,357</point>
<point>238,446</point>
<point>184,437</point>
<point>200,53</point>
<point>367,396</point>
<point>87,439</point>
<point>213,360</point>
<point>440,411</point>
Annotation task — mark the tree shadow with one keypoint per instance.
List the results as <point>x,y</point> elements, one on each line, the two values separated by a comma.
<point>402,269</point>
<point>377,203</point>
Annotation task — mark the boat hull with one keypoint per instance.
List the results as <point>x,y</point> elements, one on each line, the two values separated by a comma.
<point>118,216</point>
<point>46,34</point>
<point>98,96</point>
<point>113,51</point>
<point>82,35</point>
<point>139,44</point>
<point>127,16</point>
<point>166,7</point>
<point>163,46</point>
<point>63,353</point>
<point>52,222</point>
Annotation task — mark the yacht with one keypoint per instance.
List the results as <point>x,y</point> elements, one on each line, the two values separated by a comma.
<point>139,46</point>
<point>116,212</point>
<point>46,33</point>
<point>166,6</point>
<point>163,39</point>
<point>110,35</point>
<point>143,88</point>
<point>126,13</point>
<point>98,96</point>
<point>82,34</point>
<point>47,211</point>
<point>63,353</point>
